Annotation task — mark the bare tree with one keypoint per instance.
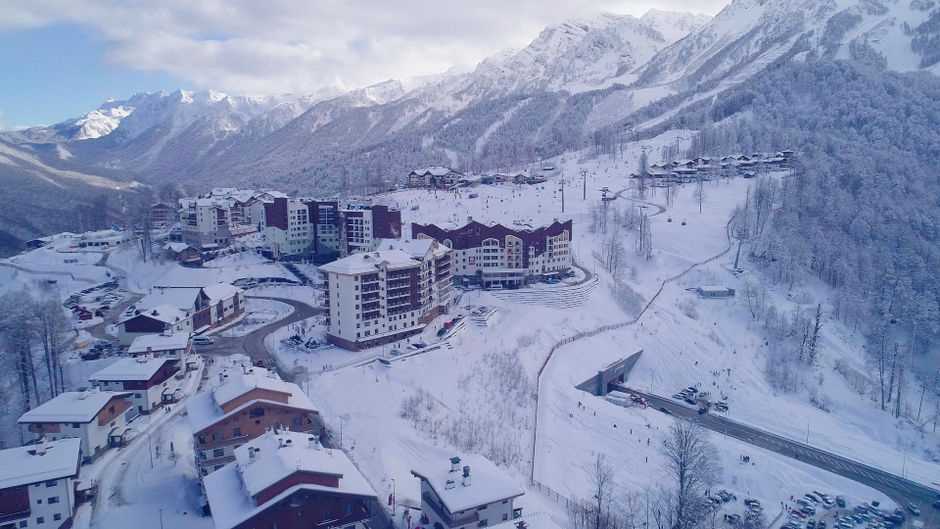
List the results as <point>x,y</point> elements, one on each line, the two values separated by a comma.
<point>691,461</point>
<point>51,327</point>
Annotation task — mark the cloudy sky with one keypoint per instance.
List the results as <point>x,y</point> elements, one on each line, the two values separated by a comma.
<point>63,57</point>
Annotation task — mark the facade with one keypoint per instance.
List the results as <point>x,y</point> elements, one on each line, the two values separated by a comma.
<point>301,227</point>
<point>150,381</point>
<point>287,480</point>
<point>435,177</point>
<point>471,493</point>
<point>101,239</point>
<point>386,295</point>
<point>496,255</point>
<point>37,484</point>
<point>163,215</point>
<point>247,403</point>
<point>98,418</point>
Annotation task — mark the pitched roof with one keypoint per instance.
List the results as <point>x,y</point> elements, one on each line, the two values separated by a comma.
<point>416,248</point>
<point>158,342</point>
<point>181,298</point>
<point>230,489</point>
<point>220,291</point>
<point>360,263</point>
<point>71,406</point>
<point>488,483</point>
<point>205,409</point>
<point>24,465</point>
<point>140,368</point>
<point>165,313</point>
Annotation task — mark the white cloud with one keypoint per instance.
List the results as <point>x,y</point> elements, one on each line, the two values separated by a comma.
<point>277,46</point>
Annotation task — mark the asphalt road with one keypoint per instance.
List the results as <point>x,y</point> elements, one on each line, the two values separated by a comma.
<point>899,489</point>
<point>252,344</point>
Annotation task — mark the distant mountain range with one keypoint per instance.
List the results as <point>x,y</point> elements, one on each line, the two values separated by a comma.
<point>514,108</point>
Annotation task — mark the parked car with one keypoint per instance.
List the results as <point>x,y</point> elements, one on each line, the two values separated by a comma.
<point>915,510</point>
<point>203,340</point>
<point>840,501</point>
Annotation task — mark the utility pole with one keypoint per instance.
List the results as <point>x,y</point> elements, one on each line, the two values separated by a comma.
<point>563,194</point>
<point>583,184</point>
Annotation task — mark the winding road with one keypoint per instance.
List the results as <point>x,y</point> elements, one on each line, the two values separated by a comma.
<point>252,344</point>
<point>899,489</point>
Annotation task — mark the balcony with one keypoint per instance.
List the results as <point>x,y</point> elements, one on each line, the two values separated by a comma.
<point>14,516</point>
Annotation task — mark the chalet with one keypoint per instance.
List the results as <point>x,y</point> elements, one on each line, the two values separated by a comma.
<point>156,320</point>
<point>471,493</point>
<point>287,480</point>
<point>246,403</point>
<point>183,253</point>
<point>150,381</point>
<point>101,239</point>
<point>538,520</point>
<point>99,418</point>
<point>435,176</point>
<point>173,346</point>
<point>183,309</point>
<point>37,484</point>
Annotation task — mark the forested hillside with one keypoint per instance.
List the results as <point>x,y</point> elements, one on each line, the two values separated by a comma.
<point>861,210</point>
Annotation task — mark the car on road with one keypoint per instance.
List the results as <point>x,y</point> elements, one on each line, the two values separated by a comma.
<point>203,340</point>
<point>664,410</point>
<point>915,510</point>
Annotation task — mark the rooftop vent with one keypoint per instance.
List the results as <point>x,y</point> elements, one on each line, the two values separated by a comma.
<point>449,484</point>
<point>454,464</point>
<point>466,476</point>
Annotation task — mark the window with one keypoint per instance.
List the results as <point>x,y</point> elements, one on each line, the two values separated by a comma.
<point>218,452</point>
<point>23,523</point>
<point>52,499</point>
<point>52,483</point>
<point>482,523</point>
<point>76,425</point>
<point>57,517</point>
<point>136,395</point>
<point>505,516</point>
<point>256,412</point>
<point>40,520</point>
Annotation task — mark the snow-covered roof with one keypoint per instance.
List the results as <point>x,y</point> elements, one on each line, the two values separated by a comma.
<point>488,484</point>
<point>140,368</point>
<point>361,263</point>
<point>176,247</point>
<point>164,313</point>
<point>539,520</point>
<point>230,489</point>
<point>416,248</point>
<point>181,298</point>
<point>71,406</point>
<point>158,342</point>
<point>49,460</point>
<point>435,170</point>
<point>220,291</point>
<point>205,409</point>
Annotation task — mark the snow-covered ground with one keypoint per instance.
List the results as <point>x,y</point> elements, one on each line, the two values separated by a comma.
<point>461,398</point>
<point>258,313</point>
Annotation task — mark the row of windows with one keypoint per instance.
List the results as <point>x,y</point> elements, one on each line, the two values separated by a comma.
<point>41,520</point>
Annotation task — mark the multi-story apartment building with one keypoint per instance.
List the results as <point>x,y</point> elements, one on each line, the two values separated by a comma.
<point>214,219</point>
<point>287,480</point>
<point>98,418</point>
<point>386,295</point>
<point>471,493</point>
<point>248,402</point>
<point>150,381</point>
<point>302,227</point>
<point>435,260</point>
<point>494,255</point>
<point>37,484</point>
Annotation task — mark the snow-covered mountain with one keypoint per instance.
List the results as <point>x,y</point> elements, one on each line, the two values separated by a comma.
<point>575,80</point>
<point>748,35</point>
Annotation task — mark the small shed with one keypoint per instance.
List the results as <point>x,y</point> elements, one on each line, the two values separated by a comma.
<point>714,292</point>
